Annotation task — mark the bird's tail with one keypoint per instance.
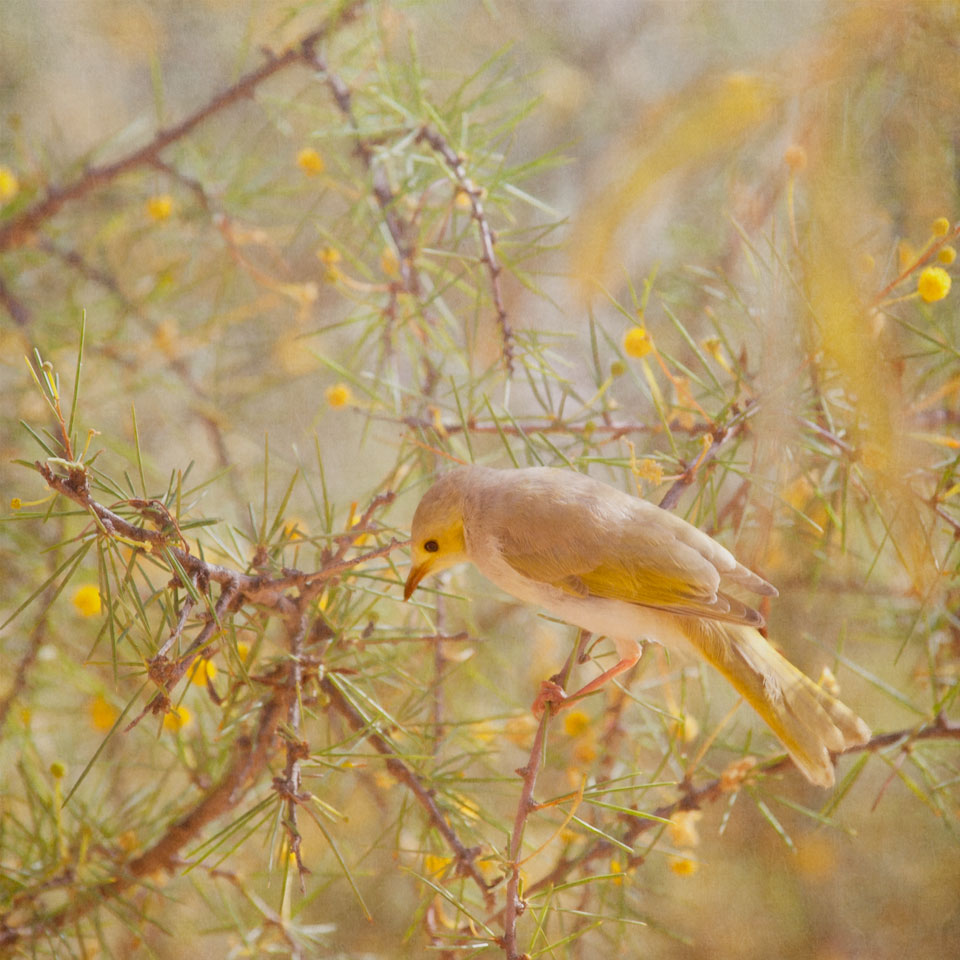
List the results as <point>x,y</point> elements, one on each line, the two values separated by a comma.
<point>807,720</point>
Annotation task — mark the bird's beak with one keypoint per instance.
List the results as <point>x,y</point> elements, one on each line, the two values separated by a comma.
<point>416,574</point>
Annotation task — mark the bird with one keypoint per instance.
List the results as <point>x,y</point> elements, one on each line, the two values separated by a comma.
<point>619,566</point>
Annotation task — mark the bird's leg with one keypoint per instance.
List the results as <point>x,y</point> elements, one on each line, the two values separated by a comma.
<point>551,692</point>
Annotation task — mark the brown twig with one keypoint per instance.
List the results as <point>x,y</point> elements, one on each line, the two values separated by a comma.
<point>613,430</point>
<point>525,805</point>
<point>397,227</point>
<point>288,786</point>
<point>269,591</point>
<point>456,163</point>
<point>692,796</point>
<point>288,595</point>
<point>75,261</point>
<point>721,435</point>
<point>515,906</point>
<point>923,259</point>
<point>250,758</point>
<point>18,229</point>
<point>465,857</point>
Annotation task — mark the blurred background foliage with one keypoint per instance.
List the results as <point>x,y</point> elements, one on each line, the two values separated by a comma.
<point>702,250</point>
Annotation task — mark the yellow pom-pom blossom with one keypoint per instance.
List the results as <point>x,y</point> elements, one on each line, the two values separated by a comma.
<point>683,867</point>
<point>941,227</point>
<point>294,528</point>
<point>575,723</point>
<point>160,207</point>
<point>686,728</point>
<point>86,600</point>
<point>339,395</point>
<point>947,254</point>
<point>435,865</point>
<point>637,342</point>
<point>310,162</point>
<point>650,471</point>
<point>934,284</point>
<point>202,671</point>
<point>127,841</point>
<point>177,718</point>
<point>389,263</point>
<point>9,184</point>
<point>103,714</point>
<point>330,257</point>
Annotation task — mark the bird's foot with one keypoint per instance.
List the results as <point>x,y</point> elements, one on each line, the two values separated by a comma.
<point>550,693</point>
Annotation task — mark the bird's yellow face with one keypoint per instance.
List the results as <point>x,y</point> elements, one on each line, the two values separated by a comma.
<point>437,539</point>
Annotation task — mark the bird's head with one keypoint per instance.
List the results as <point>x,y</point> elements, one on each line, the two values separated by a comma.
<point>436,534</point>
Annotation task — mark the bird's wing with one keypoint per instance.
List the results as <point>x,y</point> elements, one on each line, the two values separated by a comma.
<point>651,587</point>
<point>625,550</point>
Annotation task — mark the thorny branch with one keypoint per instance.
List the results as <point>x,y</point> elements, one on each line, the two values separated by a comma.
<point>400,230</point>
<point>383,193</point>
<point>525,806</point>
<point>289,596</point>
<point>465,858</point>
<point>236,588</point>
<point>456,163</point>
<point>251,588</point>
<point>18,230</point>
<point>249,760</point>
<point>21,229</point>
<point>692,797</point>
<point>719,436</point>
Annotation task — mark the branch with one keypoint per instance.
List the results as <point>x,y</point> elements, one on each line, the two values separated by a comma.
<point>397,227</point>
<point>525,806</point>
<point>720,435</point>
<point>266,591</point>
<point>288,785</point>
<point>275,593</point>
<point>18,230</point>
<point>466,858</point>
<point>487,238</point>
<point>250,758</point>
<point>929,254</point>
<point>613,430</point>
<point>693,797</point>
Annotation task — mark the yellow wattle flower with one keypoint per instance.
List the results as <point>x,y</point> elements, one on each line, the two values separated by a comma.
<point>933,284</point>
<point>86,600</point>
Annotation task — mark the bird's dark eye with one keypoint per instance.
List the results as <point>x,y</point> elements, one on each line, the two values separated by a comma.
<point>431,546</point>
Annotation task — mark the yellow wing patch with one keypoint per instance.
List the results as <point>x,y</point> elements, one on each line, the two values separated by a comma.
<point>650,587</point>
<point>640,585</point>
